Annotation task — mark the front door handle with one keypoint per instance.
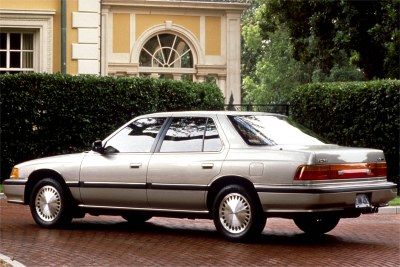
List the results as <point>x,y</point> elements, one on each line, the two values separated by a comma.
<point>135,165</point>
<point>207,165</point>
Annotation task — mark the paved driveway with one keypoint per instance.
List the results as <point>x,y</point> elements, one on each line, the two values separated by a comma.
<point>371,240</point>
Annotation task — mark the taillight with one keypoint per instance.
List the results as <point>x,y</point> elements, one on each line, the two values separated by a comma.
<point>340,171</point>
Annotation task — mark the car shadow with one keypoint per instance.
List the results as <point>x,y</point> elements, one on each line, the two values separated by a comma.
<point>187,230</point>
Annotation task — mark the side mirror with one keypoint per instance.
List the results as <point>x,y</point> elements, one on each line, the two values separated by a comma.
<point>97,146</point>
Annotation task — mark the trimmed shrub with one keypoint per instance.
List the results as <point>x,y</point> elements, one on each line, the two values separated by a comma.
<point>44,114</point>
<point>360,114</point>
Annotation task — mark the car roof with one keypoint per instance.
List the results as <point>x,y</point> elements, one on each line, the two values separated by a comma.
<point>203,113</point>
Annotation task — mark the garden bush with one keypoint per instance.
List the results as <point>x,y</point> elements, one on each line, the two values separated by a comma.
<point>45,114</point>
<point>360,114</point>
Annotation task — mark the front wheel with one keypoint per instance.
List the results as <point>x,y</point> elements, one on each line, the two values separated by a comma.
<point>237,214</point>
<point>48,204</point>
<point>316,225</point>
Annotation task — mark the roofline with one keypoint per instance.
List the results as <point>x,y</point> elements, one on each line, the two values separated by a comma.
<point>216,112</point>
<point>231,6</point>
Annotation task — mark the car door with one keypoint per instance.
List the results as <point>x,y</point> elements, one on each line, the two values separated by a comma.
<point>189,157</point>
<point>117,177</point>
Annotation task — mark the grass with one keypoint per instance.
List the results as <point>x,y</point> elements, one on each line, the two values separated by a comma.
<point>1,188</point>
<point>395,202</point>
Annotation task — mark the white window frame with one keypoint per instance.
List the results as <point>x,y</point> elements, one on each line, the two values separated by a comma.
<point>39,22</point>
<point>168,28</point>
<point>176,72</point>
<point>8,51</point>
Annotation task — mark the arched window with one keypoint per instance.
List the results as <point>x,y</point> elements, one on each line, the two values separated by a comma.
<point>166,55</point>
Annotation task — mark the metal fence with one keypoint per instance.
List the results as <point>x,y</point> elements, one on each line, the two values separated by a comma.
<point>271,108</point>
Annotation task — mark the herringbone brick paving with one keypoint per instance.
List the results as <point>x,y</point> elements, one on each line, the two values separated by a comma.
<point>371,240</point>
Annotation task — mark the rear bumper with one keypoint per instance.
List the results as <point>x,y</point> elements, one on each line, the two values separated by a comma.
<point>14,189</point>
<point>319,198</point>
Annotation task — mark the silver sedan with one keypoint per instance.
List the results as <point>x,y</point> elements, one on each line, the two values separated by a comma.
<point>236,168</point>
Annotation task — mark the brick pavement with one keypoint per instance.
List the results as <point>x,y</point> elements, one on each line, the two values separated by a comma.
<point>371,240</point>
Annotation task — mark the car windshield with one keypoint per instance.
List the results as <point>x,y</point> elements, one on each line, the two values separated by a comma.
<point>273,130</point>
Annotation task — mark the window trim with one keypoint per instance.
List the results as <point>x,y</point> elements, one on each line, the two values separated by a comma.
<point>168,123</point>
<point>8,51</point>
<point>174,71</point>
<point>40,22</point>
<point>156,139</point>
<point>169,28</point>
<point>168,59</point>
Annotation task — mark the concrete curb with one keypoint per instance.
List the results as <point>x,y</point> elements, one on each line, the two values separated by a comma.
<point>7,261</point>
<point>389,210</point>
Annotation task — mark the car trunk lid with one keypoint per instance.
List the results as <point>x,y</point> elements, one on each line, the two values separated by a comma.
<point>333,162</point>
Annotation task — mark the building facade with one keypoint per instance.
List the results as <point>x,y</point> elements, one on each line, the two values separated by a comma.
<point>172,39</point>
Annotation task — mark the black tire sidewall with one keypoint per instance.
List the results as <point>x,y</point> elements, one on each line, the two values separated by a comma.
<point>62,218</point>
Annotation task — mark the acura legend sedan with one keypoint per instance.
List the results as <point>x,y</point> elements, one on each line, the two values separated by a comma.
<point>236,168</point>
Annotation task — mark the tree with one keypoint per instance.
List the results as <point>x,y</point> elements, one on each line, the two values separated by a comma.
<point>368,32</point>
<point>276,72</point>
<point>270,69</point>
<point>252,48</point>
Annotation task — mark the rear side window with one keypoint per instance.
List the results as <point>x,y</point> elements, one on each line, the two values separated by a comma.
<point>269,130</point>
<point>191,134</point>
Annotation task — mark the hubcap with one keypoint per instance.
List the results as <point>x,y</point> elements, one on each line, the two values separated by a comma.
<point>235,213</point>
<point>48,203</point>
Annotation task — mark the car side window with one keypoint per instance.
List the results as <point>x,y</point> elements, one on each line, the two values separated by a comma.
<point>191,134</point>
<point>212,142</point>
<point>138,136</point>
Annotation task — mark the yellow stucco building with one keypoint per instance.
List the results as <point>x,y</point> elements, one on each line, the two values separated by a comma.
<point>174,39</point>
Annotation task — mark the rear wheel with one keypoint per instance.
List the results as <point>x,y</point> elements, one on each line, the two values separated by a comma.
<point>237,214</point>
<point>49,205</point>
<point>316,225</point>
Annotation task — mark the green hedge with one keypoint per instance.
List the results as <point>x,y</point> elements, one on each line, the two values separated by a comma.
<point>44,114</point>
<point>360,114</point>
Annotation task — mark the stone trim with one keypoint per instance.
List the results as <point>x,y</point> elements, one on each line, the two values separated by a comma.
<point>40,21</point>
<point>87,50</point>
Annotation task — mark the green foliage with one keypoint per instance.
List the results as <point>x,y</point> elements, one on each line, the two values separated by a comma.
<point>275,73</point>
<point>43,114</point>
<point>338,74</point>
<point>320,31</point>
<point>361,114</point>
<point>395,202</point>
<point>230,104</point>
<point>270,70</point>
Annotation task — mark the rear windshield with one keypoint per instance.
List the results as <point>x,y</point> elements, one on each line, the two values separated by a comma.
<point>272,130</point>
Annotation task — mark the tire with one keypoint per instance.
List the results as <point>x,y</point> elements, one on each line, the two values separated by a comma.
<point>49,205</point>
<point>237,215</point>
<point>136,218</point>
<point>316,225</point>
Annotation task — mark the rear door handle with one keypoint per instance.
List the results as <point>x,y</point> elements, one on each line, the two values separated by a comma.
<point>135,165</point>
<point>207,165</point>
